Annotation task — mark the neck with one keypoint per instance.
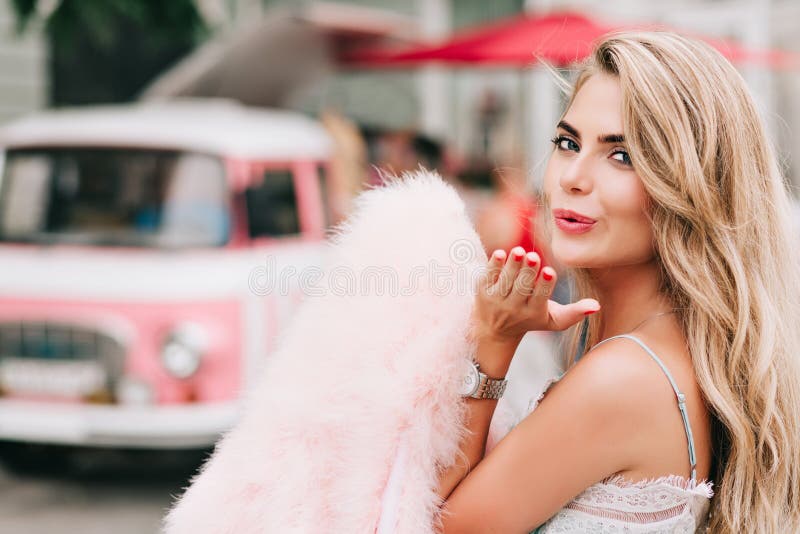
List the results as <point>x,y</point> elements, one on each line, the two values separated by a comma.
<point>628,295</point>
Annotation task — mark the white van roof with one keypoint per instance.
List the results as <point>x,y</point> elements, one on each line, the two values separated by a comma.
<point>217,127</point>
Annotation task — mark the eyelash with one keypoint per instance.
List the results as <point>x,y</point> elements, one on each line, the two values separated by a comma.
<point>557,140</point>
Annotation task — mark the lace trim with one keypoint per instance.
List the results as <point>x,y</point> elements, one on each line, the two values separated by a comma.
<point>645,501</point>
<point>703,488</point>
<point>641,518</point>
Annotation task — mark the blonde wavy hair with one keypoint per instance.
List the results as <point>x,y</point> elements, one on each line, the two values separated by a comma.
<point>725,245</point>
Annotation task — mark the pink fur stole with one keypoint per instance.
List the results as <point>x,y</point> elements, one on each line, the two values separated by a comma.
<point>358,410</point>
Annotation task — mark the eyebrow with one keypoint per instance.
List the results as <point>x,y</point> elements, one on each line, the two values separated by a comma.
<point>607,138</point>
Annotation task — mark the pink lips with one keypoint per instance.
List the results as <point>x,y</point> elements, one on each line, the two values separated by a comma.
<point>572,222</point>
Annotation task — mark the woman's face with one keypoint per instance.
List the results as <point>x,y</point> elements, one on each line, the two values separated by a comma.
<point>597,201</point>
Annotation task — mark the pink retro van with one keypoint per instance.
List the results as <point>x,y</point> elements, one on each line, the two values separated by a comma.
<point>148,257</point>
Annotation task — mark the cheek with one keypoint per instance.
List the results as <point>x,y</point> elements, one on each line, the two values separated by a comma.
<point>625,204</point>
<point>622,196</point>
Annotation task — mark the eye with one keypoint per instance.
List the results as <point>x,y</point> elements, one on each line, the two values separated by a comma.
<point>621,156</point>
<point>563,142</point>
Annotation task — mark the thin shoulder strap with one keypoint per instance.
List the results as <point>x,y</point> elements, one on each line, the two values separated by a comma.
<point>681,397</point>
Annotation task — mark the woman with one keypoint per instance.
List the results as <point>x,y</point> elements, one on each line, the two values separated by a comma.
<point>669,207</point>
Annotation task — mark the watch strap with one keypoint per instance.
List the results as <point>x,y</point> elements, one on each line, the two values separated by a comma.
<point>490,388</point>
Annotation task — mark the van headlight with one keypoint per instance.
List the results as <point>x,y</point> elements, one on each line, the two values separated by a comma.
<point>183,349</point>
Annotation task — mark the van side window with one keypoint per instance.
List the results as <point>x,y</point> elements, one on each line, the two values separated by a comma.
<point>272,205</point>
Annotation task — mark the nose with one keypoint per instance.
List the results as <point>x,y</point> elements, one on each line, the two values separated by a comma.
<point>576,176</point>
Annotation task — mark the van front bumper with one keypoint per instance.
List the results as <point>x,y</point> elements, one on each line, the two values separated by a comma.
<point>155,427</point>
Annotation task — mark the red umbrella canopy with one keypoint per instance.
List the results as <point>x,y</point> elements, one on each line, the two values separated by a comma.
<point>558,38</point>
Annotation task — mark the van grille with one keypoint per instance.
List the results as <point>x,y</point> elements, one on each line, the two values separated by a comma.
<point>43,357</point>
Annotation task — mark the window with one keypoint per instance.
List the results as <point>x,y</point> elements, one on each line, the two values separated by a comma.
<point>272,205</point>
<point>114,197</point>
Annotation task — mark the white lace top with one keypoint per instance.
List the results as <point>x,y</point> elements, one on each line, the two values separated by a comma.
<point>671,504</point>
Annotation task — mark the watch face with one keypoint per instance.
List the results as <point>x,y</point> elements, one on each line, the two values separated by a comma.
<point>471,381</point>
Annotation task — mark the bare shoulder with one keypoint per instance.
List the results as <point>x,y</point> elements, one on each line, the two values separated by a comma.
<point>614,390</point>
<point>615,379</point>
<point>618,389</point>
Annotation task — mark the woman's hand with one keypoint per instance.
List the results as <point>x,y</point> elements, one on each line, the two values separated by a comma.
<point>513,297</point>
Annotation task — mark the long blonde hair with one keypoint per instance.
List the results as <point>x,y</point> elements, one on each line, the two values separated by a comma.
<point>724,241</point>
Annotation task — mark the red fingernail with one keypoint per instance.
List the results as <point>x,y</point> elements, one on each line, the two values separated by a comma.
<point>517,255</point>
<point>547,276</point>
<point>589,312</point>
<point>531,262</point>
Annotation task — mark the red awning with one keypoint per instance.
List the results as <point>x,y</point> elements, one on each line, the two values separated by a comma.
<point>558,38</point>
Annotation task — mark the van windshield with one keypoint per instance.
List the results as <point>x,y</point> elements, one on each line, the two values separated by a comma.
<point>113,197</point>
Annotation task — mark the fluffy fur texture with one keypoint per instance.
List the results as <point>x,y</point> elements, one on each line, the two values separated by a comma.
<point>364,383</point>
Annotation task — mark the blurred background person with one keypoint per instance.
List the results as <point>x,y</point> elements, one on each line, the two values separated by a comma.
<point>348,166</point>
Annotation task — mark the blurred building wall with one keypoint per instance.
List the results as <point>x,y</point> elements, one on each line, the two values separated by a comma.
<point>23,67</point>
<point>386,99</point>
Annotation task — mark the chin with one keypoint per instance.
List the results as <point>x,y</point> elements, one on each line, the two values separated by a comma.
<point>578,264</point>
<point>573,256</point>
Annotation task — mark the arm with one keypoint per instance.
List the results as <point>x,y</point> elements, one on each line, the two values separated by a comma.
<point>568,443</point>
<point>511,299</point>
<point>479,415</point>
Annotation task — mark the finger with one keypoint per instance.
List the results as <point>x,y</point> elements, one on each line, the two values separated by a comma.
<point>562,316</point>
<point>543,287</point>
<point>508,275</point>
<point>496,263</point>
<point>526,279</point>
<point>488,277</point>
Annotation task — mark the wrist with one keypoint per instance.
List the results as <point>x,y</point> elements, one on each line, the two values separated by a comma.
<point>483,335</point>
<point>494,370</point>
<point>494,355</point>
